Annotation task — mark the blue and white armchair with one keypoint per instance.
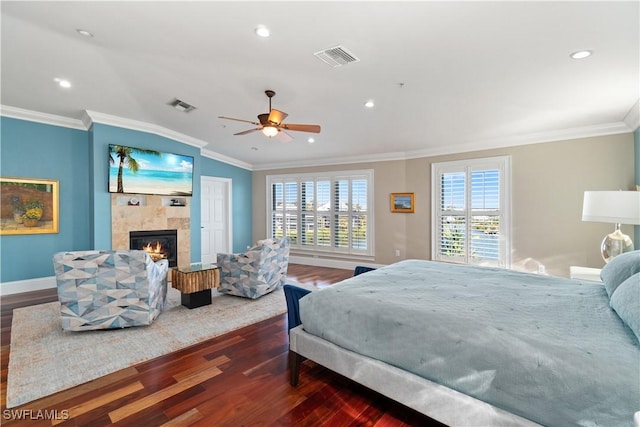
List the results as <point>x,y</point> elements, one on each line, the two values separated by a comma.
<point>260,270</point>
<point>109,289</point>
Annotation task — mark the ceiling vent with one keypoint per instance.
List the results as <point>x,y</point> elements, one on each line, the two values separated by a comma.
<point>336,56</point>
<point>182,106</point>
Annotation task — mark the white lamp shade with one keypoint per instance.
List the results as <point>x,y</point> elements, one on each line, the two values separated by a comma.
<point>615,207</point>
<point>270,131</point>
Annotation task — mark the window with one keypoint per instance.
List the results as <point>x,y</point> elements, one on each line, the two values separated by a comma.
<point>323,212</point>
<point>471,211</point>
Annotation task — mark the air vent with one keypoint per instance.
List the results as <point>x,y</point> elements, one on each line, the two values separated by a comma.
<point>336,56</point>
<point>182,106</point>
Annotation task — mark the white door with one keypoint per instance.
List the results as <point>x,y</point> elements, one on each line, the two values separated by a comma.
<point>215,217</point>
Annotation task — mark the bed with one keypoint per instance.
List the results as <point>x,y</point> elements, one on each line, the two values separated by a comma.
<point>470,345</point>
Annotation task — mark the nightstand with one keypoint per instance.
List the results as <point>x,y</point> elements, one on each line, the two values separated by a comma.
<point>585,273</point>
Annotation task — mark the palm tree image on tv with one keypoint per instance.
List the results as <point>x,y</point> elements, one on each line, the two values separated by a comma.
<point>125,158</point>
<point>144,171</point>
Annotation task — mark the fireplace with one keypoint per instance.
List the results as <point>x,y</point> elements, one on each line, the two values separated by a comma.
<point>160,244</point>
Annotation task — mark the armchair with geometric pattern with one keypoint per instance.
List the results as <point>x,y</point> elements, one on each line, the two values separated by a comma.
<point>109,289</point>
<point>258,271</point>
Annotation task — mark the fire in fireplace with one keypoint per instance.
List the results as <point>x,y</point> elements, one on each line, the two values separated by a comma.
<point>160,244</point>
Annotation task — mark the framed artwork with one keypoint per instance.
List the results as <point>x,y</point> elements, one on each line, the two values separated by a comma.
<point>28,206</point>
<point>402,202</point>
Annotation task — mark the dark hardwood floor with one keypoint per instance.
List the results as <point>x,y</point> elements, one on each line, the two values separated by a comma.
<point>237,379</point>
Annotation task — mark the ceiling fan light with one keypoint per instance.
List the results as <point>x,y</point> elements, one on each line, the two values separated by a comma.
<point>270,131</point>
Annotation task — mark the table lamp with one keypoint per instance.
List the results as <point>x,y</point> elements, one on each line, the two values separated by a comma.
<point>615,207</point>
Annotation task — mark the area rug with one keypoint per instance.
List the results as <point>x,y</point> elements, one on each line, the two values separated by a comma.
<point>44,360</point>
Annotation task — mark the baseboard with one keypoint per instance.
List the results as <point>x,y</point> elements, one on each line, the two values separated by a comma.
<point>20,286</point>
<point>332,263</point>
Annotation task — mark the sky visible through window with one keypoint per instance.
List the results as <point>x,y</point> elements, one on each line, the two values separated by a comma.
<point>485,186</point>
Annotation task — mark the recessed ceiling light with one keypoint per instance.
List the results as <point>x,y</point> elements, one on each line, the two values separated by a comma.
<point>262,31</point>
<point>369,104</point>
<point>581,54</point>
<point>62,82</point>
<point>311,140</point>
<point>84,33</point>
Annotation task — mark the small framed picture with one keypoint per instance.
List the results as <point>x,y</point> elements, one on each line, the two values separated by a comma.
<point>402,202</point>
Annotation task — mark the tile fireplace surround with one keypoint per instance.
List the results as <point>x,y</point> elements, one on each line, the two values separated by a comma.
<point>153,213</point>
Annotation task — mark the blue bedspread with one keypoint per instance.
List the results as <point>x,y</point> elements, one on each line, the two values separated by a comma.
<point>548,349</point>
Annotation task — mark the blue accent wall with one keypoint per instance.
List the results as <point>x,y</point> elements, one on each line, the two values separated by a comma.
<point>103,135</point>
<point>241,190</point>
<point>78,159</point>
<point>36,150</point>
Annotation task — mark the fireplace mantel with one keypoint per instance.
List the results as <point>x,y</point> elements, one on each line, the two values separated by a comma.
<point>154,214</point>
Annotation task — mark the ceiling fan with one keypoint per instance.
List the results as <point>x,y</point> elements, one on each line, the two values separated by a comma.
<point>271,123</point>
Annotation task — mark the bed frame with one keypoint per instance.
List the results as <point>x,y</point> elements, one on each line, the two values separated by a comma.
<point>436,401</point>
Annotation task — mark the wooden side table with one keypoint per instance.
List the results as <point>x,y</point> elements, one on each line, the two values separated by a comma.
<point>195,282</point>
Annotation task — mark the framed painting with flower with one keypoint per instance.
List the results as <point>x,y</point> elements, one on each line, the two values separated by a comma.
<point>28,206</point>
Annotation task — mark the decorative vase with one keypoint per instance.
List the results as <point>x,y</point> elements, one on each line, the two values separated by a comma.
<point>30,222</point>
<point>17,217</point>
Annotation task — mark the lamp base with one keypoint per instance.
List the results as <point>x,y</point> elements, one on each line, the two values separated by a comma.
<point>615,244</point>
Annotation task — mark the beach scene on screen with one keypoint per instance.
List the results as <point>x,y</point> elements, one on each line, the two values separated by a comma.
<point>163,174</point>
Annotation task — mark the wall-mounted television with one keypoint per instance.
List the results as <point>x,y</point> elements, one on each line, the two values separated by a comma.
<point>143,171</point>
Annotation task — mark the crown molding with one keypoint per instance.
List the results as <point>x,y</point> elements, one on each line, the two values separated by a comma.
<point>526,139</point>
<point>107,119</point>
<point>465,147</point>
<point>86,120</point>
<point>34,116</point>
<point>630,123</point>
<point>632,119</point>
<point>225,159</point>
<point>383,157</point>
<point>91,117</point>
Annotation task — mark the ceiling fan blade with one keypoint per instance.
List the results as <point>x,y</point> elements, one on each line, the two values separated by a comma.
<point>239,120</point>
<point>247,131</point>
<point>284,137</point>
<point>277,116</point>
<point>301,128</point>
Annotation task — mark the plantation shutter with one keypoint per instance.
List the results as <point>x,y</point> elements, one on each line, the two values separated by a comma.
<point>359,238</point>
<point>341,213</point>
<point>327,212</point>
<point>453,221</point>
<point>291,211</point>
<point>471,215</point>
<point>323,228</point>
<point>277,209</point>
<point>308,213</point>
<point>485,217</point>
